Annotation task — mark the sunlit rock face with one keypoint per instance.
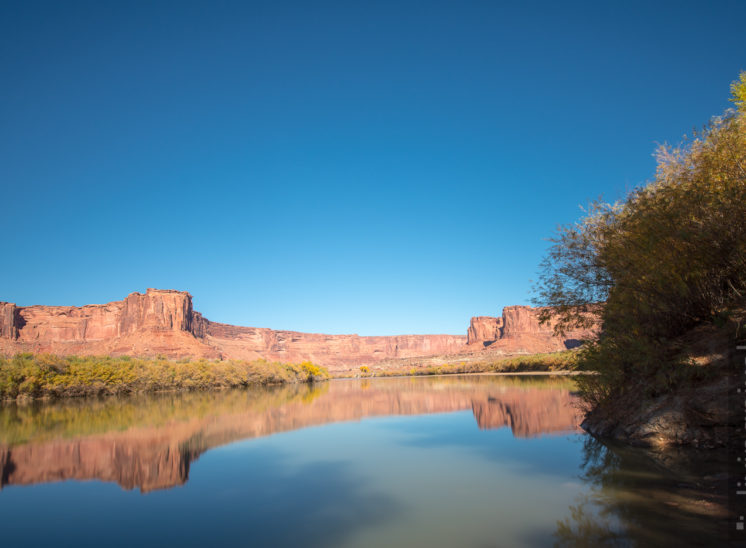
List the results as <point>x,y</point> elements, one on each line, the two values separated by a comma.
<point>148,443</point>
<point>484,330</point>
<point>338,352</point>
<point>156,310</point>
<point>519,330</point>
<point>157,322</point>
<point>164,322</point>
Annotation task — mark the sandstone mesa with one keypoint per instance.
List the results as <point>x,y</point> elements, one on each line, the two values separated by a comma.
<point>163,321</point>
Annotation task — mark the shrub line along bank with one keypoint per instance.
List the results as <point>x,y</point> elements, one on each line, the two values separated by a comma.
<point>45,375</point>
<point>557,362</point>
<point>49,376</point>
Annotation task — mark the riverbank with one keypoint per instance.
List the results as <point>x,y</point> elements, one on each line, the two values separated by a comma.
<point>668,262</point>
<point>702,408</point>
<point>460,364</point>
<point>48,376</point>
<point>33,376</point>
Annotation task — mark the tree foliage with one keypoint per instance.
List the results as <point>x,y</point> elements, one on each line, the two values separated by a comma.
<point>670,256</point>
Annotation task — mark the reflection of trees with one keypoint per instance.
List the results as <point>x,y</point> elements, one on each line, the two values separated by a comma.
<point>633,499</point>
<point>42,421</point>
<point>585,529</point>
<point>591,521</point>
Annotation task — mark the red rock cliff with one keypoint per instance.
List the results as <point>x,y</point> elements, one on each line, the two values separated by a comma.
<point>157,322</point>
<point>519,330</point>
<point>484,330</point>
<point>164,322</point>
<point>338,352</point>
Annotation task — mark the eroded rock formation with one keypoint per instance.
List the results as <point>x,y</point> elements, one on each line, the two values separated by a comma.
<point>484,330</point>
<point>157,322</point>
<point>519,330</point>
<point>164,322</point>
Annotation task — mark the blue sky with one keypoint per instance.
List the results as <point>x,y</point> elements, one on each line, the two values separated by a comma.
<point>340,167</point>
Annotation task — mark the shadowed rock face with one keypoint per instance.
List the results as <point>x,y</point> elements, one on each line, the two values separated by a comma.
<point>164,322</point>
<point>8,322</point>
<point>154,450</point>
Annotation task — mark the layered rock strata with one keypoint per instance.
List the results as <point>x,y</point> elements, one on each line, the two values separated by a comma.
<point>163,322</point>
<point>519,330</point>
<point>484,330</point>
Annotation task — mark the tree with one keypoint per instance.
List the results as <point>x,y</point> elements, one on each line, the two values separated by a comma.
<point>670,256</point>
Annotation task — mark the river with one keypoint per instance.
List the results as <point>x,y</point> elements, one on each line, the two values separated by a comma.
<point>456,461</point>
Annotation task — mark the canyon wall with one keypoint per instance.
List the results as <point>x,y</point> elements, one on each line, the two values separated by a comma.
<point>163,322</point>
<point>157,322</point>
<point>519,330</point>
<point>334,351</point>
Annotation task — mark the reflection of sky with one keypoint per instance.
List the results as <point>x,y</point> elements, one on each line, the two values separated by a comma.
<point>458,485</point>
<point>431,480</point>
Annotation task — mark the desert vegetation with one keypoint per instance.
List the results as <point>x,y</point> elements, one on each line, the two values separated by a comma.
<point>45,375</point>
<point>547,362</point>
<point>667,259</point>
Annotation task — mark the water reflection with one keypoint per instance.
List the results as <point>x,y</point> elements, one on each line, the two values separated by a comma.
<point>650,497</point>
<point>149,442</point>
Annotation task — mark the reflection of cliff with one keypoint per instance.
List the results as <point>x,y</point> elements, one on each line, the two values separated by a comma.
<point>131,462</point>
<point>527,413</point>
<point>142,448</point>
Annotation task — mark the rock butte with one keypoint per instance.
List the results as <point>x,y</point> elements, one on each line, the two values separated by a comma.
<point>163,322</point>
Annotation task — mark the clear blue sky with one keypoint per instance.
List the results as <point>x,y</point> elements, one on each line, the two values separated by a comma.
<point>346,167</point>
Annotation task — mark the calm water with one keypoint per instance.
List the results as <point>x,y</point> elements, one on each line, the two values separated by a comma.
<point>442,461</point>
